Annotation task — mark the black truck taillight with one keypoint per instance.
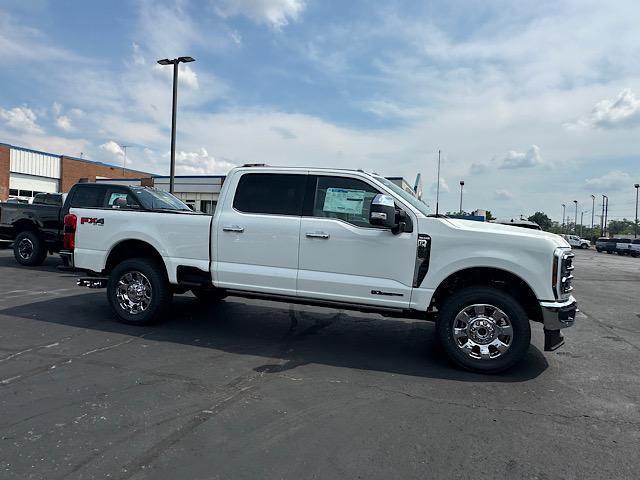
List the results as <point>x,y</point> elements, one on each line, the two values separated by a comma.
<point>69,232</point>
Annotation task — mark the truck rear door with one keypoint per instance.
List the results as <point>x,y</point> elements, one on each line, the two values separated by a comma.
<point>258,231</point>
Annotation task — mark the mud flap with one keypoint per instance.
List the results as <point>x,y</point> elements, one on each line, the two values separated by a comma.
<point>553,340</point>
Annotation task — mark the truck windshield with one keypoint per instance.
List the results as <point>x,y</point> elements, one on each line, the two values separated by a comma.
<point>406,196</point>
<point>153,199</point>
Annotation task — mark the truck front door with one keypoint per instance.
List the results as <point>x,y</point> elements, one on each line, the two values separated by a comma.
<point>343,257</point>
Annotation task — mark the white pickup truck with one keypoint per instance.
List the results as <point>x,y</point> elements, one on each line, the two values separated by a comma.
<point>339,238</point>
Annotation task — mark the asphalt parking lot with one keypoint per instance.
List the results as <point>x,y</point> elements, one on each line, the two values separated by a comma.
<point>249,389</point>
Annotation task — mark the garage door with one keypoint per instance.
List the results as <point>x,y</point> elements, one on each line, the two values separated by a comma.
<point>27,185</point>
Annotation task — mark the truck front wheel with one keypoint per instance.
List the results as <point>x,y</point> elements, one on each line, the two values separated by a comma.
<point>138,291</point>
<point>483,329</point>
<point>29,249</point>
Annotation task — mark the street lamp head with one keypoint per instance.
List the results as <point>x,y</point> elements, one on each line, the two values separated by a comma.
<point>165,61</point>
<point>461,183</point>
<point>593,196</point>
<point>186,59</point>
<point>637,185</point>
<point>575,201</point>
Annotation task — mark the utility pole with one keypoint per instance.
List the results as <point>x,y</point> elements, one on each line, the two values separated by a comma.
<point>581,220</point>
<point>124,157</point>
<point>563,208</point>
<point>438,187</point>
<point>575,221</point>
<point>461,187</point>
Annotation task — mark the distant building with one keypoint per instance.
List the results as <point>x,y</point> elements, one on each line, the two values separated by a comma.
<point>25,172</point>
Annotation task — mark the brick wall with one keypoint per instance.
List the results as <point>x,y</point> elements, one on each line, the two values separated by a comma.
<point>73,170</point>
<point>4,172</point>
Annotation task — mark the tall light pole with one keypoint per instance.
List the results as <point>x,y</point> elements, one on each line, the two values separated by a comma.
<point>582,220</point>
<point>563,209</point>
<point>175,62</point>
<point>461,187</point>
<point>605,213</point>
<point>575,221</point>
<point>635,234</point>
<point>593,209</point>
<point>438,187</point>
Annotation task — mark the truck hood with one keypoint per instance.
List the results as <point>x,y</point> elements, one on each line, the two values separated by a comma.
<point>483,229</point>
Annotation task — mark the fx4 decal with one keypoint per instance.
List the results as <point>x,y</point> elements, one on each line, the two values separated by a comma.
<point>92,221</point>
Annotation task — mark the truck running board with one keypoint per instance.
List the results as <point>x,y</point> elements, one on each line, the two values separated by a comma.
<point>93,282</point>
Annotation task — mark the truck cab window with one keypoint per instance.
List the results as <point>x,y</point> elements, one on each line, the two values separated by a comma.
<point>88,197</point>
<point>270,193</point>
<point>114,194</point>
<point>344,198</point>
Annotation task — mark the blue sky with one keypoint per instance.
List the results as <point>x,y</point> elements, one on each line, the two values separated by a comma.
<point>533,104</point>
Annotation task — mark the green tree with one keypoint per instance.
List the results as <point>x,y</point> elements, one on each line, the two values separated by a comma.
<point>541,219</point>
<point>490,216</point>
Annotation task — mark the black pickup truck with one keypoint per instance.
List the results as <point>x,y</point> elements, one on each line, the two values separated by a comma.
<point>38,228</point>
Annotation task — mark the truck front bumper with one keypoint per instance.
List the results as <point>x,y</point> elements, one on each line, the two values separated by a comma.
<point>555,316</point>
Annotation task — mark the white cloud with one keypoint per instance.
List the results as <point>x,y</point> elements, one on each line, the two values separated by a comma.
<point>137,55</point>
<point>113,148</point>
<point>22,119</point>
<point>514,159</point>
<point>444,186</point>
<point>275,13</point>
<point>186,75</point>
<point>57,108</point>
<point>623,111</point>
<point>611,181</point>
<point>64,123</point>
<point>200,163</point>
<point>501,194</point>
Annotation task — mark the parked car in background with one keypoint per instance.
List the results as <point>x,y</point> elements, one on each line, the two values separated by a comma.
<point>576,242</point>
<point>634,248</point>
<point>604,244</point>
<point>38,229</point>
<point>49,199</point>
<point>622,246</point>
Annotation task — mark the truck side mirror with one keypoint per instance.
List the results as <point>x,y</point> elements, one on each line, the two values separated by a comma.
<point>382,212</point>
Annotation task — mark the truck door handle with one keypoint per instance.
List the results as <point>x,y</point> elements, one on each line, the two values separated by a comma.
<point>233,228</point>
<point>317,235</point>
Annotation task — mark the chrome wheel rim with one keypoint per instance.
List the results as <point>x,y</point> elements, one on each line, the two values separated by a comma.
<point>134,292</point>
<point>482,331</point>
<point>25,248</point>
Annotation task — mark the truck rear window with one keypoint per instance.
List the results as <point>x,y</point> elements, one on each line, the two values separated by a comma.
<point>270,193</point>
<point>88,197</point>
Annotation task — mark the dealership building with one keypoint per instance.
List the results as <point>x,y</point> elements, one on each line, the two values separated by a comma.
<point>25,172</point>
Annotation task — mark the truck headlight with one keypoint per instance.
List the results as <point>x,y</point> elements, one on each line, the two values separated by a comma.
<point>562,275</point>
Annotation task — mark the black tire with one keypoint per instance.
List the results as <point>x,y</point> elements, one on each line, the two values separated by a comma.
<point>29,249</point>
<point>465,298</point>
<point>156,299</point>
<point>209,295</point>
<point>584,246</point>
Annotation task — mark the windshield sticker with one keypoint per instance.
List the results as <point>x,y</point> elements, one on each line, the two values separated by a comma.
<point>342,200</point>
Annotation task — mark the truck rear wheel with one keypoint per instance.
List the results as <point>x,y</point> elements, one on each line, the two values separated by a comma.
<point>29,249</point>
<point>138,291</point>
<point>483,329</point>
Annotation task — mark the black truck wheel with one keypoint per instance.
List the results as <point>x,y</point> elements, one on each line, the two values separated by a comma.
<point>483,329</point>
<point>138,291</point>
<point>29,249</point>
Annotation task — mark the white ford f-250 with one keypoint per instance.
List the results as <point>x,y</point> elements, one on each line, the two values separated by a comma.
<point>330,237</point>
